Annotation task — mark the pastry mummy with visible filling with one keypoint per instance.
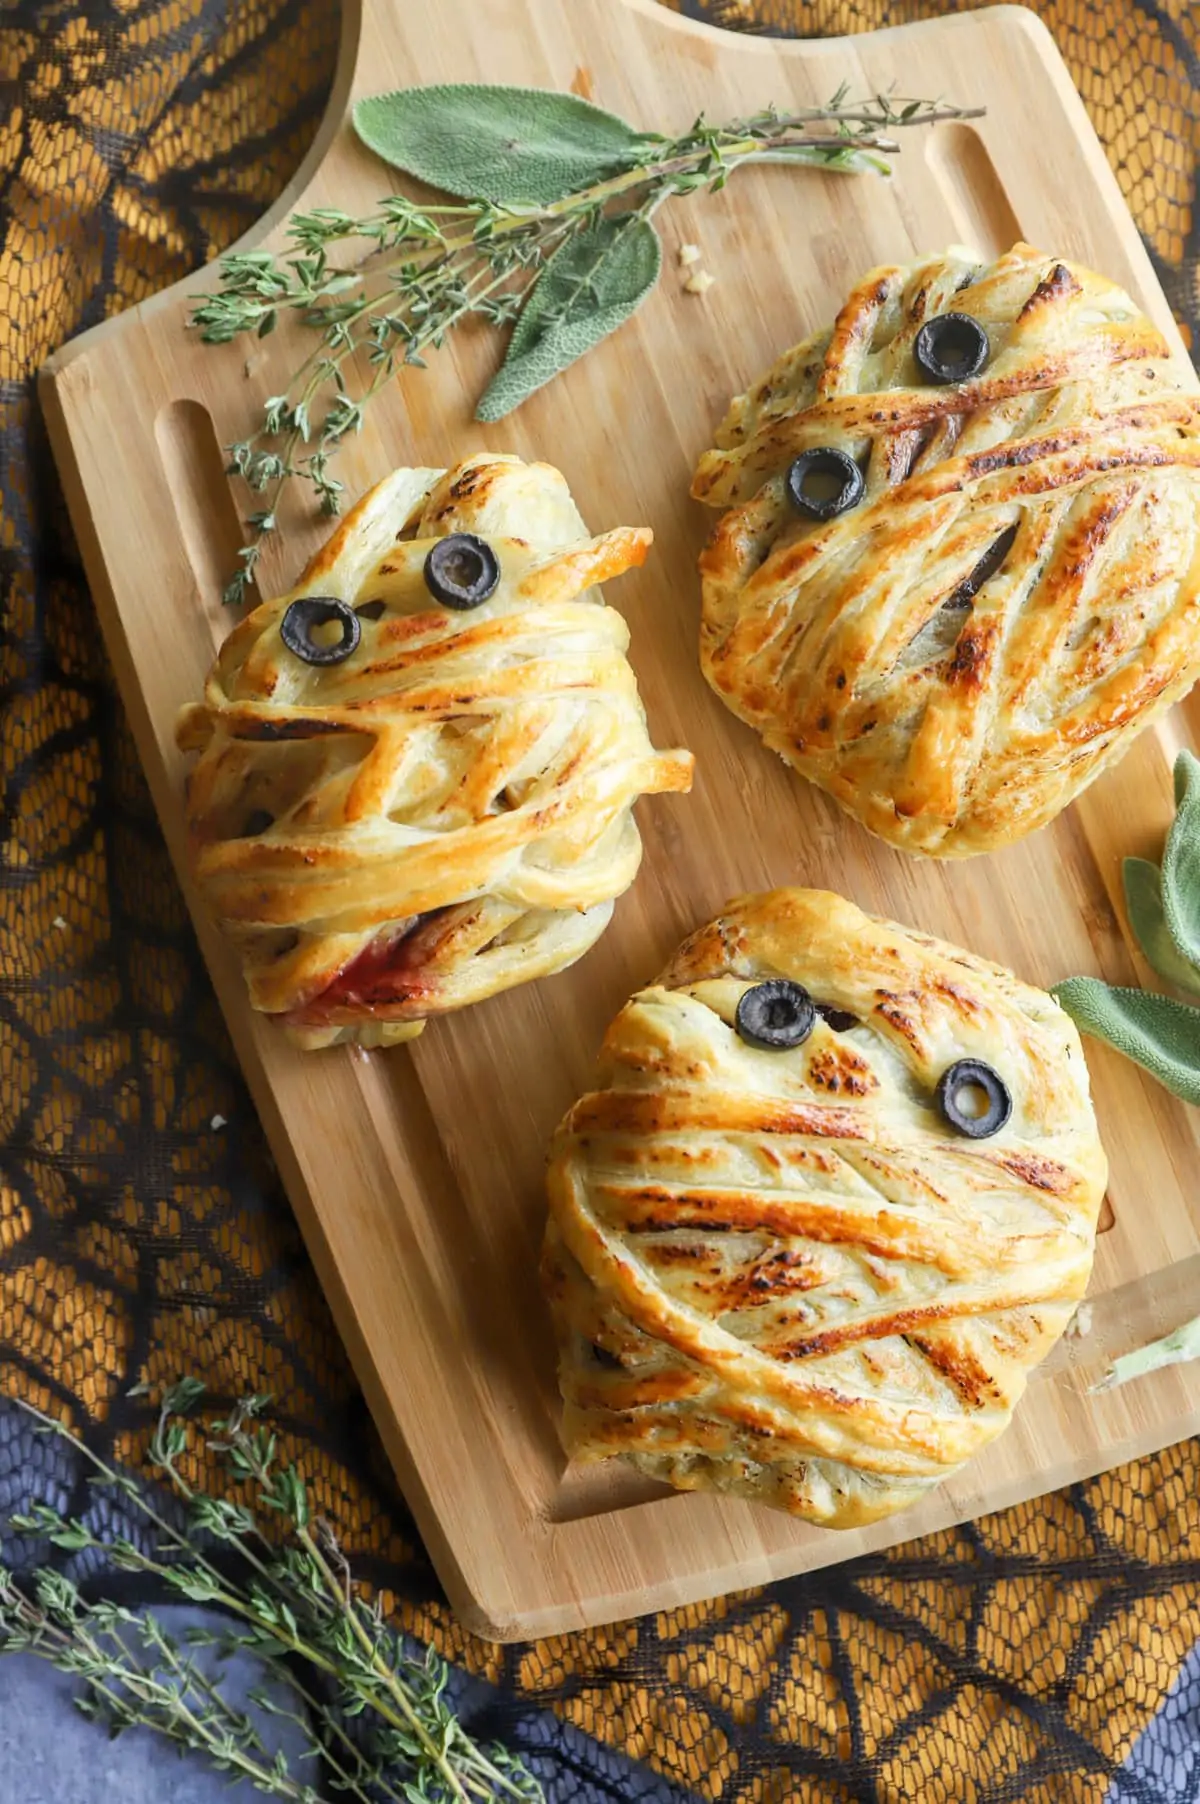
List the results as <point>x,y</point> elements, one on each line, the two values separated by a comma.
<point>832,1195</point>
<point>958,563</point>
<point>417,768</point>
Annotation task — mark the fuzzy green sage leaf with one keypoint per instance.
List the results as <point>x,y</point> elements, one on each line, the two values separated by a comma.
<point>1181,865</point>
<point>532,173</point>
<point>513,146</point>
<point>1144,905</point>
<point>587,289</point>
<point>1156,1032</point>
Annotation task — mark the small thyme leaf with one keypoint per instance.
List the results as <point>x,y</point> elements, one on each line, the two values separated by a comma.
<point>553,232</point>
<point>183,1396</point>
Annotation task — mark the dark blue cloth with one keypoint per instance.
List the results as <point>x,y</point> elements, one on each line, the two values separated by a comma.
<point>46,1742</point>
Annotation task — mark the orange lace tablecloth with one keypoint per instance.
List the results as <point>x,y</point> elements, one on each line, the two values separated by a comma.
<point>1016,1659</point>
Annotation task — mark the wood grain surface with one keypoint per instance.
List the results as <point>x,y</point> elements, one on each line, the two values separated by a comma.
<point>416,1174</point>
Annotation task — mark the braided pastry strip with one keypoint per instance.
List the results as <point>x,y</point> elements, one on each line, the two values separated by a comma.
<point>448,812</point>
<point>1018,591</point>
<point>782,1274</point>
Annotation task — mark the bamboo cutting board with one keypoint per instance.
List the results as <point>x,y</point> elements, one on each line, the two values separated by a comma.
<point>416,1173</point>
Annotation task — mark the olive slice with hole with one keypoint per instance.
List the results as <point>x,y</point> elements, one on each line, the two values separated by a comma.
<point>974,1099</point>
<point>951,347</point>
<point>824,482</point>
<point>461,571</point>
<point>776,1015</point>
<point>303,621</point>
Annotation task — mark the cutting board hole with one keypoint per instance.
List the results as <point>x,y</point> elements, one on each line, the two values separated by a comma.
<point>983,217</point>
<point>208,520</point>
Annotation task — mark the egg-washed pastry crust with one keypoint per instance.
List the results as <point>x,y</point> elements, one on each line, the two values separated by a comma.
<point>1066,474</point>
<point>782,1274</point>
<point>448,811</point>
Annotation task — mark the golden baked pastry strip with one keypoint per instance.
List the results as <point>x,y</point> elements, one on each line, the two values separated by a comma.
<point>783,1274</point>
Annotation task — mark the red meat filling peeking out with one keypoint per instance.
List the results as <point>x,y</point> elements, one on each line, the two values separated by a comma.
<point>385,971</point>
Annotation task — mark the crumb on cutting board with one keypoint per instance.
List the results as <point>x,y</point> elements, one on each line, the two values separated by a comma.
<point>1080,1323</point>
<point>699,282</point>
<point>688,254</point>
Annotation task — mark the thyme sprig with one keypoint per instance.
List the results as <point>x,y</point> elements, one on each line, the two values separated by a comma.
<point>423,270</point>
<point>275,1570</point>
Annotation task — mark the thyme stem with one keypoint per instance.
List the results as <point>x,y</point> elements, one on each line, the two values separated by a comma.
<point>296,1603</point>
<point>426,270</point>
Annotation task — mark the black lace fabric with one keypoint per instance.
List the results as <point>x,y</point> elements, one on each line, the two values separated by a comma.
<point>143,1231</point>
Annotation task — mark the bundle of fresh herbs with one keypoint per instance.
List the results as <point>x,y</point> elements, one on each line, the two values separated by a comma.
<point>373,1715</point>
<point>554,235</point>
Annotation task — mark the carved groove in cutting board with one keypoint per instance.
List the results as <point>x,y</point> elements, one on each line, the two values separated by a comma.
<point>208,519</point>
<point>983,215</point>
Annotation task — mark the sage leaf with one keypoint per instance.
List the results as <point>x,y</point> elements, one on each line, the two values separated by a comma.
<point>1181,862</point>
<point>512,146</point>
<point>1144,903</point>
<point>590,286</point>
<point>1156,1032</point>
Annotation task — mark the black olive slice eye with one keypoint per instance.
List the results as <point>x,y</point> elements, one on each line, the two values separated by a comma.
<point>461,571</point>
<point>824,482</point>
<point>302,629</point>
<point>974,1099</point>
<point>952,347</point>
<point>371,610</point>
<point>776,1015</point>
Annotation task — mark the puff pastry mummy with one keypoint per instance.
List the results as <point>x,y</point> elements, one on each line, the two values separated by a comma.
<point>447,811</point>
<point>783,1274</point>
<point>1017,592</point>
